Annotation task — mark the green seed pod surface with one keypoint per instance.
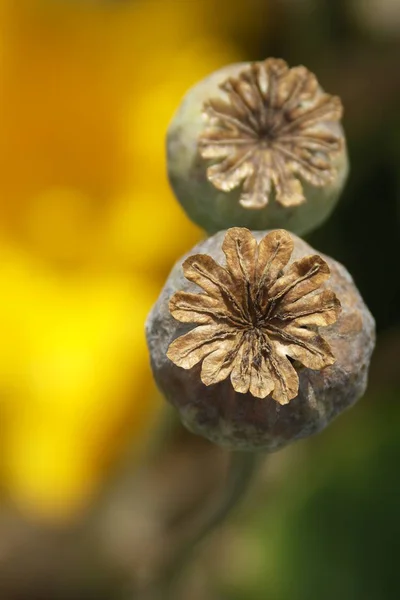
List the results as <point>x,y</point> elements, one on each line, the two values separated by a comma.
<point>259,146</point>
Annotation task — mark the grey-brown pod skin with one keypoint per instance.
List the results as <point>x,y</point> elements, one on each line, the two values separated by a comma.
<point>241,421</point>
<point>213,209</point>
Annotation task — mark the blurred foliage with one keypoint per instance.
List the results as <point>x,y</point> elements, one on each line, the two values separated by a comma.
<point>330,529</point>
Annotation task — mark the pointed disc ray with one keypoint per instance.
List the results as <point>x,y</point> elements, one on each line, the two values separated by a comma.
<point>286,381</point>
<point>197,308</point>
<point>215,280</point>
<point>318,309</point>
<point>218,365</point>
<point>303,345</point>
<point>240,249</point>
<point>302,277</point>
<point>189,349</point>
<point>274,252</point>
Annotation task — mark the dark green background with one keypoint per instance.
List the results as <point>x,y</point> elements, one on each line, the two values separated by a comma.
<point>331,529</point>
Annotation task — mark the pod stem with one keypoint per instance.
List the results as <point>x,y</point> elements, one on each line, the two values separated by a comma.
<point>241,469</point>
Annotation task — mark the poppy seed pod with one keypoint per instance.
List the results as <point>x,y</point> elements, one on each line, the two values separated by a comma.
<point>258,145</point>
<point>259,341</point>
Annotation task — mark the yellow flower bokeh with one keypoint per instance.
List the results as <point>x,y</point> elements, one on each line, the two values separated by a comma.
<point>76,367</point>
<point>88,229</point>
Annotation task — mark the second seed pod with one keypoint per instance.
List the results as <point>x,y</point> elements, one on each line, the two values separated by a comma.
<point>258,145</point>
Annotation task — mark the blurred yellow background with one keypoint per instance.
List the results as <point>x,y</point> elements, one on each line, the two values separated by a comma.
<point>88,228</point>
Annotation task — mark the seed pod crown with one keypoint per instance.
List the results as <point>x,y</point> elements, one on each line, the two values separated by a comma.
<point>256,316</point>
<point>272,128</point>
<point>258,145</point>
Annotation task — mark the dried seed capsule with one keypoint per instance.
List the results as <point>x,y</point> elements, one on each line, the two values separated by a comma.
<point>258,341</point>
<point>258,145</point>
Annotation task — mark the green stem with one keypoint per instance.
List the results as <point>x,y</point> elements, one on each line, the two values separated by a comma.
<point>241,470</point>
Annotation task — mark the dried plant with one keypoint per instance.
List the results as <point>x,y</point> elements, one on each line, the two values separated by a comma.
<point>255,315</point>
<point>274,126</point>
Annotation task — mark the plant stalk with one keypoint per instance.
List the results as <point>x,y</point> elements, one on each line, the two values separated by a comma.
<point>240,474</point>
